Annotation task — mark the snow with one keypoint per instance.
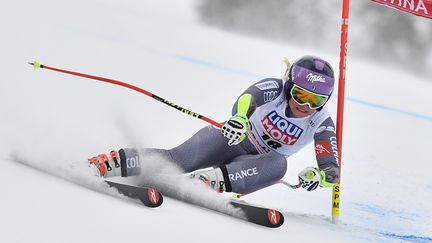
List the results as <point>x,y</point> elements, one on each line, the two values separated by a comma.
<point>53,122</point>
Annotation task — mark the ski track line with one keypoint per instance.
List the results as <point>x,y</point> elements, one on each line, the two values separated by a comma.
<point>412,238</point>
<point>201,62</point>
<point>393,213</point>
<point>380,211</point>
<point>350,99</point>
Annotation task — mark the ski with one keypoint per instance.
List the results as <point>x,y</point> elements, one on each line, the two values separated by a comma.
<point>260,215</point>
<point>150,197</point>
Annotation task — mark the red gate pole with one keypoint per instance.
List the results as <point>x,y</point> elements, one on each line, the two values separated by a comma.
<point>340,106</point>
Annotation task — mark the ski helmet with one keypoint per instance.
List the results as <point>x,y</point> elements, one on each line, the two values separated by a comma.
<point>312,74</point>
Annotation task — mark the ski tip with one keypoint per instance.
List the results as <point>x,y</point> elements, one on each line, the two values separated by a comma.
<point>36,64</point>
<point>148,196</point>
<point>275,218</point>
<point>154,198</point>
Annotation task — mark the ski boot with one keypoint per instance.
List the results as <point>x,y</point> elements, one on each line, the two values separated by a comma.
<point>212,178</point>
<point>123,163</point>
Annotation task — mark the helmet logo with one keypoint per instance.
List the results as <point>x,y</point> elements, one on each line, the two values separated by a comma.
<point>315,78</point>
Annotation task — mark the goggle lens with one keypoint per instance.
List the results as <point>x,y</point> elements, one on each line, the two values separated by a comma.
<point>302,96</point>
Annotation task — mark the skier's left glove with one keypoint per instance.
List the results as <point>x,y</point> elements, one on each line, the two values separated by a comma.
<point>236,129</point>
<point>311,177</point>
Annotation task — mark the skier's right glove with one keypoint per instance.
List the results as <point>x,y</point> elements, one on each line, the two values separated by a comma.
<point>236,129</point>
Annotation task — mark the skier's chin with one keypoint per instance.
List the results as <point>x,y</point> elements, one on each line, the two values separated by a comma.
<point>299,113</point>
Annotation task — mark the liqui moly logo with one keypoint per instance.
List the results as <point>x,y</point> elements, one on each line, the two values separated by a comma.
<point>281,129</point>
<point>315,78</point>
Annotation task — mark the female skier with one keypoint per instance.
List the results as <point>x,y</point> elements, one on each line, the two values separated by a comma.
<point>271,120</point>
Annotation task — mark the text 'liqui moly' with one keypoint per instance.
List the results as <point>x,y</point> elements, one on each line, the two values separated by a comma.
<point>281,129</point>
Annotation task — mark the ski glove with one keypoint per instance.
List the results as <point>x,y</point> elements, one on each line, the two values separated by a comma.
<point>236,129</point>
<point>311,177</point>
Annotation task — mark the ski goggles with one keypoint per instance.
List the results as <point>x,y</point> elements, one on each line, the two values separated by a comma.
<point>303,96</point>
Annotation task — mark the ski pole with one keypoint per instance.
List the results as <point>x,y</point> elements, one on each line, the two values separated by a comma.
<point>130,86</point>
<point>296,186</point>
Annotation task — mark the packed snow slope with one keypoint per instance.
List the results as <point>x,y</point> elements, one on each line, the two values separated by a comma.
<point>54,122</point>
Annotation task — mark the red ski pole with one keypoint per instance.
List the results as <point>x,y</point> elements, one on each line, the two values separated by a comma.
<point>130,86</point>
